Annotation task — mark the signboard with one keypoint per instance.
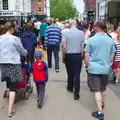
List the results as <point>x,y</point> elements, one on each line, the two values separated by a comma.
<point>10,14</point>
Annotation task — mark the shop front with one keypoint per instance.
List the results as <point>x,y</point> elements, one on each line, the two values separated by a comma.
<point>108,10</point>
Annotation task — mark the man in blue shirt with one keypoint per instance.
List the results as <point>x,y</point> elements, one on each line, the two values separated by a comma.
<point>99,54</point>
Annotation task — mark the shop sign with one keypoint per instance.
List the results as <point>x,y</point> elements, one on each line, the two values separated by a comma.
<point>6,14</point>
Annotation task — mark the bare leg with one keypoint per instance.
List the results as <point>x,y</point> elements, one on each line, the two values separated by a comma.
<point>11,101</point>
<point>117,77</point>
<point>103,96</point>
<point>98,98</point>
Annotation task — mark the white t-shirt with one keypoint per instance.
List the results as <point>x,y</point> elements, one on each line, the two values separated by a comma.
<point>37,25</point>
<point>114,35</point>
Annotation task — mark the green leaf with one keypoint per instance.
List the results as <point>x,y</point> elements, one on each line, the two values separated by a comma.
<point>63,9</point>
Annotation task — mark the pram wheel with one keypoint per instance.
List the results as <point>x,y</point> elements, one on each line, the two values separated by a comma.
<point>23,96</point>
<point>26,95</point>
<point>31,89</point>
<point>5,94</point>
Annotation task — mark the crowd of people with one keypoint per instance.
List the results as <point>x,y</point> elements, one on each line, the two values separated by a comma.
<point>79,41</point>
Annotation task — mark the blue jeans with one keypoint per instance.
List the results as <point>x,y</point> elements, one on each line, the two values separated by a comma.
<point>55,50</point>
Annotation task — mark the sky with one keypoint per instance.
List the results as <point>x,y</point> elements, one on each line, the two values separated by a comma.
<point>80,5</point>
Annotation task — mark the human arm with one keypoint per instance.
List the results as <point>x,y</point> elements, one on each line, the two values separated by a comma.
<point>46,38</point>
<point>60,36</point>
<point>46,72</point>
<point>112,57</point>
<point>20,47</point>
<point>86,58</point>
<point>87,53</point>
<point>64,47</point>
<point>82,49</point>
<point>113,50</point>
<point>82,45</point>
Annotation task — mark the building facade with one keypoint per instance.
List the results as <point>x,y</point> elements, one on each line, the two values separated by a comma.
<point>101,9</point>
<point>40,7</point>
<point>14,8</point>
<point>90,9</point>
<point>108,9</point>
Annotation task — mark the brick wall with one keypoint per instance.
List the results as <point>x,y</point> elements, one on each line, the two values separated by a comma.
<point>89,4</point>
<point>36,6</point>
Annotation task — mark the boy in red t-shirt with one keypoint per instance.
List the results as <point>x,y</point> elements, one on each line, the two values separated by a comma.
<point>40,76</point>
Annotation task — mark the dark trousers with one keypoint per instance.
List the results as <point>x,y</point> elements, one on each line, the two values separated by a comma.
<point>30,60</point>
<point>43,41</point>
<point>73,63</point>
<point>55,50</point>
<point>40,91</point>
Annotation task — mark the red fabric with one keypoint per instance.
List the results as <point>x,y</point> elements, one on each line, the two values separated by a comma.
<point>38,71</point>
<point>116,65</point>
<point>22,84</point>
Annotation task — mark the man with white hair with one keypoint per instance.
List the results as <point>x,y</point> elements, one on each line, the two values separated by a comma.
<point>73,49</point>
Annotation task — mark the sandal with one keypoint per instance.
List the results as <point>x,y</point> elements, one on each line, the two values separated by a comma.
<point>11,113</point>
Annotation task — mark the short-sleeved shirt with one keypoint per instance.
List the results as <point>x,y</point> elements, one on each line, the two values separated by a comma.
<point>100,47</point>
<point>117,55</point>
<point>73,39</point>
<point>43,27</point>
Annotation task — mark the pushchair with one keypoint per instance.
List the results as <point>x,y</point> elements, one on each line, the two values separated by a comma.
<point>24,86</point>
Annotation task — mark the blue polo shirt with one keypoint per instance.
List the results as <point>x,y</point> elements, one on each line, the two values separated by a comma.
<point>100,47</point>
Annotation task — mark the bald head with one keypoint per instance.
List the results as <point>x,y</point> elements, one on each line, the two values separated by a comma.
<point>73,23</point>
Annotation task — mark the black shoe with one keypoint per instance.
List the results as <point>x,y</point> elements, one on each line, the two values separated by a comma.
<point>70,90</point>
<point>98,116</point>
<point>40,105</point>
<point>76,97</point>
<point>57,70</point>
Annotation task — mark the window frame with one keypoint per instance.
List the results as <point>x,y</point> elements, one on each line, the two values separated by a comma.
<point>5,5</point>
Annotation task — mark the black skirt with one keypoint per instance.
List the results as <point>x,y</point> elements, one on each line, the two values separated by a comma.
<point>12,72</point>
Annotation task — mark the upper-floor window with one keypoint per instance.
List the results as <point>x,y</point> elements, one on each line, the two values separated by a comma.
<point>40,9</point>
<point>39,1</point>
<point>5,4</point>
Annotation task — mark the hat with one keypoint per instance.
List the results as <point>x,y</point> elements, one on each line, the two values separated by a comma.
<point>38,53</point>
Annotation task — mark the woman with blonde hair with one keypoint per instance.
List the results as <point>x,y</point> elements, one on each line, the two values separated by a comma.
<point>10,51</point>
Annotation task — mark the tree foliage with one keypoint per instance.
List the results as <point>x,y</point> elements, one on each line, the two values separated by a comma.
<point>63,9</point>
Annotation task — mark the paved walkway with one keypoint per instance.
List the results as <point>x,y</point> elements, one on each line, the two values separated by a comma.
<point>59,104</point>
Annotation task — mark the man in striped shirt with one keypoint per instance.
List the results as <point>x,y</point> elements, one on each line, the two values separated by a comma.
<point>52,43</point>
